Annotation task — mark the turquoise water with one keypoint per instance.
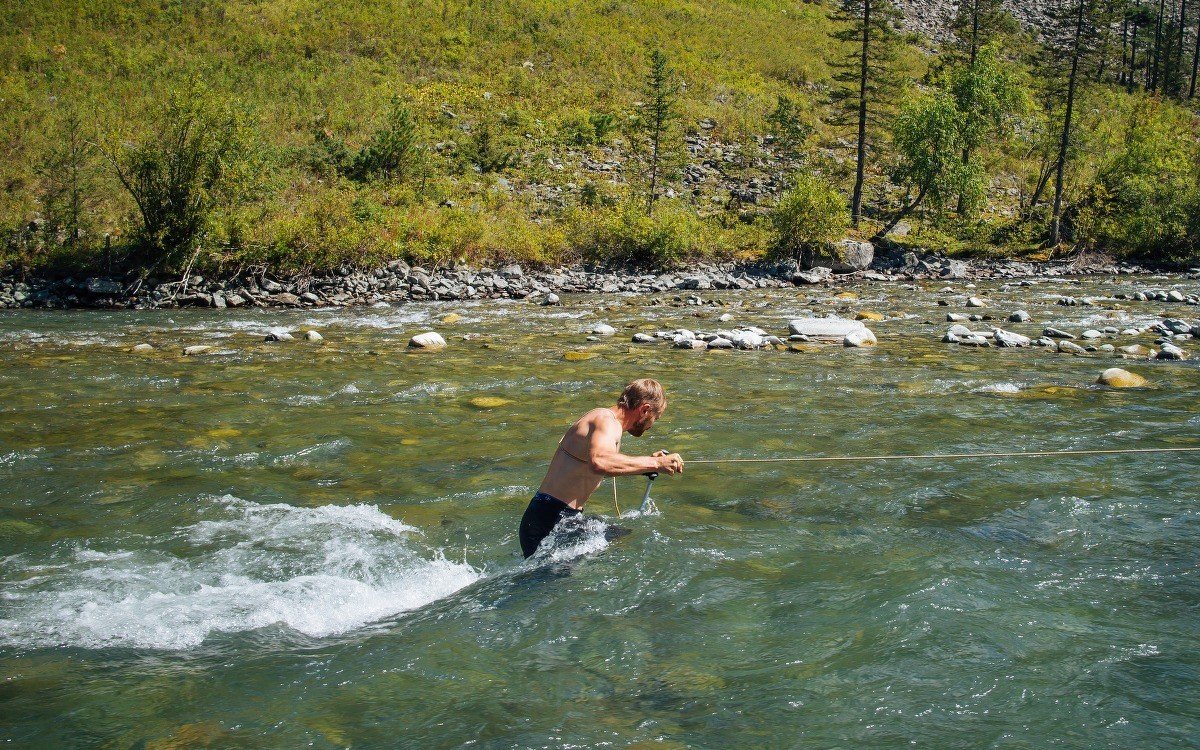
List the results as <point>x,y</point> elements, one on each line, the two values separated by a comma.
<point>314,545</point>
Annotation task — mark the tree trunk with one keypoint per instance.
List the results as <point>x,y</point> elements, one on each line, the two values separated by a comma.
<point>1195,59</point>
<point>1122,78</point>
<point>900,216</point>
<point>856,201</point>
<point>1157,63</point>
<point>1177,72</point>
<point>653,169</point>
<point>1036,198</point>
<point>1133,59</point>
<point>1060,168</point>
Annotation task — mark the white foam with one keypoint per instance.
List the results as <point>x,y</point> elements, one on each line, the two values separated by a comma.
<point>319,571</point>
<point>999,388</point>
<point>570,539</point>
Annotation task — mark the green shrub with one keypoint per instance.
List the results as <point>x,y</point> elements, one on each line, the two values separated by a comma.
<point>1146,196</point>
<point>626,236</point>
<point>811,214</point>
<point>196,159</point>
<point>392,151</point>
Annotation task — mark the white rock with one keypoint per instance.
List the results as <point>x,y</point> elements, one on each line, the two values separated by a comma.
<point>862,337</point>
<point>832,329</point>
<point>974,302</point>
<point>603,329</point>
<point>143,349</point>
<point>197,349</point>
<point>428,340</point>
<point>313,336</point>
<point>279,336</point>
<point>643,338</point>
<point>551,299</point>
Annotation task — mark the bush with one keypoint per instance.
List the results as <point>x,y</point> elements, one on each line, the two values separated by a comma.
<point>811,214</point>
<point>196,159</point>
<point>627,236</point>
<point>1146,196</point>
<point>392,151</point>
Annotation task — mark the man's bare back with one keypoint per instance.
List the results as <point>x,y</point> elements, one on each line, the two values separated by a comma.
<point>590,451</point>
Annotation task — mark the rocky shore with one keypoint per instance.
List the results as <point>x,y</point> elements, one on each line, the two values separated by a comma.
<point>399,282</point>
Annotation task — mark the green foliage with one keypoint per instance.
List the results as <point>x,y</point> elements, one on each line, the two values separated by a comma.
<point>582,128</point>
<point>196,159</point>
<point>487,152</point>
<point>928,136</point>
<point>811,214</point>
<point>989,95</point>
<point>791,125</point>
<point>626,236</point>
<point>658,111</point>
<point>392,151</point>
<point>1146,197</point>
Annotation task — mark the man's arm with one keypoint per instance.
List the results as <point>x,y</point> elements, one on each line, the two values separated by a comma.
<point>604,458</point>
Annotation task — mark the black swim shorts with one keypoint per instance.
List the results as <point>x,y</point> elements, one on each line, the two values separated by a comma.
<point>543,513</point>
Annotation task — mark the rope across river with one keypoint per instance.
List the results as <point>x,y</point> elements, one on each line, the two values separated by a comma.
<point>907,457</point>
<point>935,456</point>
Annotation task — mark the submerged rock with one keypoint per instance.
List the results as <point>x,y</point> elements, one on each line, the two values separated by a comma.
<point>643,338</point>
<point>1056,333</point>
<point>1170,351</point>
<point>279,336</point>
<point>143,349</point>
<point>313,336</point>
<point>1115,377</point>
<point>191,351</point>
<point>1068,347</point>
<point>603,329</point>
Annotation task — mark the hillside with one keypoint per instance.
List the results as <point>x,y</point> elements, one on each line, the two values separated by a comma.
<point>479,130</point>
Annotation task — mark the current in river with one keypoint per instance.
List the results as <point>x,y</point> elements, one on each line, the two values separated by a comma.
<point>297,544</point>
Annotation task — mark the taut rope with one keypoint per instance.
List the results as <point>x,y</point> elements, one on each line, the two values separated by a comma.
<point>935,456</point>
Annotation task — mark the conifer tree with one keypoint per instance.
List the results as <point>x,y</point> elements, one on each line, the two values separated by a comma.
<point>868,78</point>
<point>658,112</point>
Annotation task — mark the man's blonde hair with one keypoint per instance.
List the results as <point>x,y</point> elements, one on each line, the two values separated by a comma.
<point>643,391</point>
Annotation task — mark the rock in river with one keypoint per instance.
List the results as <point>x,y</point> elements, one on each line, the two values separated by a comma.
<point>313,336</point>
<point>834,329</point>
<point>1118,378</point>
<point>1069,347</point>
<point>643,338</point>
<point>603,329</point>
<point>279,336</point>
<point>197,349</point>
<point>429,340</point>
<point>143,349</point>
<point>1019,316</point>
<point>862,337</point>
<point>1055,333</point>
<point>1008,338</point>
<point>1170,351</point>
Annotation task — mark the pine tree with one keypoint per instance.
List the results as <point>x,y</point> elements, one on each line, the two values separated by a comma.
<point>868,78</point>
<point>1071,40</point>
<point>658,112</point>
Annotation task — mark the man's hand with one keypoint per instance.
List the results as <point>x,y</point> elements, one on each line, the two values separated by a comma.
<point>672,463</point>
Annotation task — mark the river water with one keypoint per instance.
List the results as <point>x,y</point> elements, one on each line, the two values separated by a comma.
<point>314,545</point>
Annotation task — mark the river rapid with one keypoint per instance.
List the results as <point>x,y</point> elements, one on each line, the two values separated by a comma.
<point>296,544</point>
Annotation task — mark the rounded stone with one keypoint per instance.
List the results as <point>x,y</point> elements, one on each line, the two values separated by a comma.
<point>1115,377</point>
<point>428,341</point>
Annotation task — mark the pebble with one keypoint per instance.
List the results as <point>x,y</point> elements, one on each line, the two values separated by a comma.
<point>1092,333</point>
<point>429,340</point>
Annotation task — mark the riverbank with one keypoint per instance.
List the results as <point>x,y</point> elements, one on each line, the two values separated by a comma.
<point>399,282</point>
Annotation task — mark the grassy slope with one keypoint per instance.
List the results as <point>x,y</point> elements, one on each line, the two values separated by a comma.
<point>531,64</point>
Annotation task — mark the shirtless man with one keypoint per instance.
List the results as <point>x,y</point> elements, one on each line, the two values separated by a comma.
<point>590,451</point>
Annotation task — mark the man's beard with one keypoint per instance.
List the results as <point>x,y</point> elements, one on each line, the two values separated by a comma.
<point>640,428</point>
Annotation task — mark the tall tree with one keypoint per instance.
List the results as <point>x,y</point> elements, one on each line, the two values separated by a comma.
<point>658,111</point>
<point>868,78</point>
<point>1195,58</point>
<point>1071,44</point>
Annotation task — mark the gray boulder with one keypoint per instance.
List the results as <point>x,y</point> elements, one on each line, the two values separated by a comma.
<point>430,341</point>
<point>1010,339</point>
<point>1068,347</point>
<point>643,338</point>
<point>1056,333</point>
<point>1019,316</point>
